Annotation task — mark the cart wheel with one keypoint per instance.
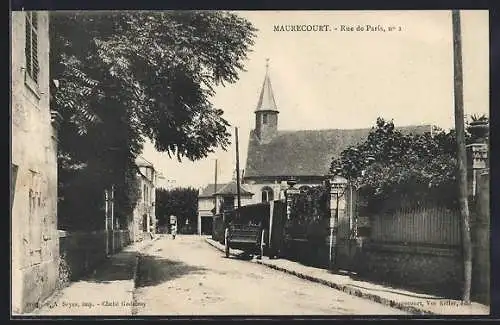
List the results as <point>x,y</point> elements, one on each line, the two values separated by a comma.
<point>262,243</point>
<point>226,242</point>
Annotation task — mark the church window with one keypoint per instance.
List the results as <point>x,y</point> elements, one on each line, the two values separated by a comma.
<point>264,118</point>
<point>267,194</point>
<point>304,189</point>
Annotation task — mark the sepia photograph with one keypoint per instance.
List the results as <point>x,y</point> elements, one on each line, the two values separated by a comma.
<point>250,163</point>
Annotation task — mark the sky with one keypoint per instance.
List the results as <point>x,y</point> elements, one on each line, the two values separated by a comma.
<point>345,79</point>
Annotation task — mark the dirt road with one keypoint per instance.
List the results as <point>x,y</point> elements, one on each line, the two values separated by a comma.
<point>186,276</point>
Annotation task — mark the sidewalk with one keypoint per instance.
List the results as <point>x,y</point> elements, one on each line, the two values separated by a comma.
<point>108,291</point>
<point>419,304</point>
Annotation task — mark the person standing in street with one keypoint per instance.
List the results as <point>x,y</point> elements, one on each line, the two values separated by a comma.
<point>173,226</point>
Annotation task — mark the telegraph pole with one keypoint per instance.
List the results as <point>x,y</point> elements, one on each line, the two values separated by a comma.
<point>461,154</point>
<point>215,188</point>
<point>237,169</point>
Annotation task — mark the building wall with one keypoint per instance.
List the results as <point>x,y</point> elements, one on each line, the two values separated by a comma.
<point>145,205</point>
<point>35,239</point>
<point>278,187</point>
<point>205,206</point>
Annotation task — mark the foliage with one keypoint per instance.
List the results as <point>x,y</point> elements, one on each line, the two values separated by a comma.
<point>155,70</point>
<point>308,211</point>
<point>479,118</point>
<point>392,165</point>
<point>126,76</point>
<point>180,202</point>
<point>477,127</point>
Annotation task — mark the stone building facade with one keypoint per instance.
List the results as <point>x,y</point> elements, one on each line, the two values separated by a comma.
<point>206,208</point>
<point>35,239</point>
<point>144,218</point>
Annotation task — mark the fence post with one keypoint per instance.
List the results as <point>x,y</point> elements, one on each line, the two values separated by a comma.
<point>271,212</point>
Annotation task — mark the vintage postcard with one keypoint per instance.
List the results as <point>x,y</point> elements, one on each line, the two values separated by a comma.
<point>250,163</point>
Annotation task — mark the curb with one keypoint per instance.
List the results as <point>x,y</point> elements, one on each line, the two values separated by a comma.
<point>139,251</point>
<point>344,288</point>
<point>136,272</point>
<point>219,246</point>
<point>352,291</point>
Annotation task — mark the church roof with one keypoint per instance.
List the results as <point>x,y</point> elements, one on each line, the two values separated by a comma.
<point>266,99</point>
<point>231,189</point>
<point>305,153</point>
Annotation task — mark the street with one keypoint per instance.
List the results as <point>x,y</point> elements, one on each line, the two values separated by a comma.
<point>186,276</point>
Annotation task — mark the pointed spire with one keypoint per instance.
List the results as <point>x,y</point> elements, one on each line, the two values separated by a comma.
<point>266,98</point>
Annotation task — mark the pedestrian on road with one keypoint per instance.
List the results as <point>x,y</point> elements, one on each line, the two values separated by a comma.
<point>173,226</point>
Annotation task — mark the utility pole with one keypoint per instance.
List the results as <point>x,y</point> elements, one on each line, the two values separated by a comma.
<point>106,221</point>
<point>237,169</point>
<point>215,188</point>
<point>113,219</point>
<point>461,154</point>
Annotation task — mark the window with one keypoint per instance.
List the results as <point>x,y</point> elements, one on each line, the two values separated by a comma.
<point>304,189</point>
<point>267,194</point>
<point>31,48</point>
<point>228,204</point>
<point>264,118</point>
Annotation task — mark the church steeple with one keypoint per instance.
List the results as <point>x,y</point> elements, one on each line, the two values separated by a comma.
<point>266,98</point>
<point>266,112</point>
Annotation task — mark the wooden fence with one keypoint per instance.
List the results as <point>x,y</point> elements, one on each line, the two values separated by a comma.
<point>422,224</point>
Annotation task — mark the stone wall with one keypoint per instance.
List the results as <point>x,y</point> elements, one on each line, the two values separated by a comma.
<point>432,269</point>
<point>35,241</point>
<point>82,252</point>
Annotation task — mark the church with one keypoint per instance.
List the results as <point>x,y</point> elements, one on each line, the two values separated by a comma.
<point>274,156</point>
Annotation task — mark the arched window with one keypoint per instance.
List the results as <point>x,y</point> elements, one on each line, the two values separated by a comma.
<point>267,194</point>
<point>304,189</point>
<point>264,118</point>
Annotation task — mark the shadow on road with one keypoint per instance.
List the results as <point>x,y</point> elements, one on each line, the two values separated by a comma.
<point>154,270</point>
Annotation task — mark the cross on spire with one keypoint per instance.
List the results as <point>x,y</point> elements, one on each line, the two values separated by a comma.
<point>266,98</point>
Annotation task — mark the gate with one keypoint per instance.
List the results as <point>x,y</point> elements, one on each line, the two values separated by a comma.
<point>319,228</point>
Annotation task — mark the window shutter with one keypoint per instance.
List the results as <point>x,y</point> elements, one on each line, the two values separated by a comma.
<point>27,49</point>
<point>31,50</point>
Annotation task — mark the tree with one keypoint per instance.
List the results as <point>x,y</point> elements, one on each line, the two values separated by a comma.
<point>180,202</point>
<point>127,76</point>
<point>155,70</point>
<point>390,164</point>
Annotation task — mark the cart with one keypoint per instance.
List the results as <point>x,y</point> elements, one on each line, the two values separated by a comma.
<point>246,230</point>
<point>249,238</point>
